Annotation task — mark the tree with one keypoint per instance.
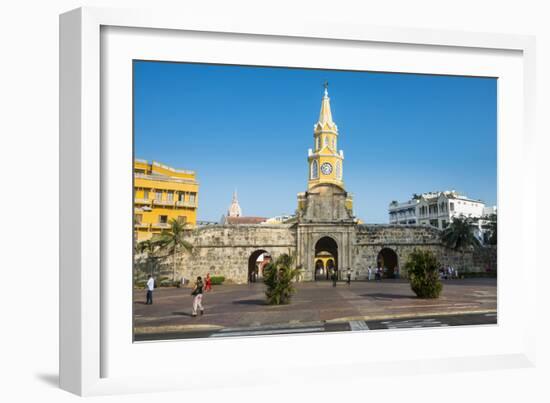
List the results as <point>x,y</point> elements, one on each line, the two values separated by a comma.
<point>460,237</point>
<point>172,241</point>
<point>279,276</point>
<point>491,227</point>
<point>149,247</point>
<point>423,272</point>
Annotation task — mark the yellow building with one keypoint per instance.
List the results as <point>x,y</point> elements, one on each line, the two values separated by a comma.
<point>162,193</point>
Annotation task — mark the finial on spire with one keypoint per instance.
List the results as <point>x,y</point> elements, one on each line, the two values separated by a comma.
<point>326,88</point>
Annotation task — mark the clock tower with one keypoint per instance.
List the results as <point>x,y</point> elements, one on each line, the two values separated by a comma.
<point>325,161</point>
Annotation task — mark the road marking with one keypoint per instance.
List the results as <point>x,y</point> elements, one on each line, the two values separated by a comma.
<point>490,314</point>
<point>413,323</point>
<point>268,332</point>
<point>358,325</point>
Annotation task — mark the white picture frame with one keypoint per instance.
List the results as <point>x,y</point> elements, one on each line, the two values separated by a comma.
<point>97,358</point>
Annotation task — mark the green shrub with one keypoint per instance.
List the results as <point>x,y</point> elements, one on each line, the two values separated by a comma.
<point>423,272</point>
<point>217,280</point>
<point>278,278</point>
<point>166,283</point>
<point>140,283</point>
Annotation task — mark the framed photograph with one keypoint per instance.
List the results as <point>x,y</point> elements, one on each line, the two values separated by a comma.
<point>282,191</point>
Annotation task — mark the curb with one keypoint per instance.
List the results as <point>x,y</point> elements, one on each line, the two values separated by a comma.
<point>408,315</point>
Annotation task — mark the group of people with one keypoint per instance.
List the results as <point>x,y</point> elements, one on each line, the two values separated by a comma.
<point>199,287</point>
<point>448,273</point>
<point>379,272</point>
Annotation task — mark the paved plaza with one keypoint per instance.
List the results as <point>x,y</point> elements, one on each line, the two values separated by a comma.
<point>237,310</point>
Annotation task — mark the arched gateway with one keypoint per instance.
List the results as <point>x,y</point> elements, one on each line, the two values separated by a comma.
<point>256,263</point>
<point>387,260</point>
<point>326,258</point>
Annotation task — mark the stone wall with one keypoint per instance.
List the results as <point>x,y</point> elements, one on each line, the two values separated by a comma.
<point>403,240</point>
<point>225,250</point>
<point>485,259</point>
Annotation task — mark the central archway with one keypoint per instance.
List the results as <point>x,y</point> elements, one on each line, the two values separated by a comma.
<point>326,258</point>
<point>256,263</point>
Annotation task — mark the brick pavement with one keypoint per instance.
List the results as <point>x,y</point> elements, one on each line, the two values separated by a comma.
<point>243,306</point>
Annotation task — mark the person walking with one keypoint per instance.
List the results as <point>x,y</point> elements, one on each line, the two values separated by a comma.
<point>396,272</point>
<point>349,276</point>
<point>208,283</point>
<point>150,288</point>
<point>369,273</point>
<point>334,277</point>
<point>197,297</point>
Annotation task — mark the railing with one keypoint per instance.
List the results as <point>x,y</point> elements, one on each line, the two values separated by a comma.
<point>165,178</point>
<point>141,225</point>
<point>142,201</point>
<point>186,204</point>
<point>163,202</point>
<point>160,225</point>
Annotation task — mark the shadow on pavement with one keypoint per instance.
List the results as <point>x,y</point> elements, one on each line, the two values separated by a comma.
<point>182,313</point>
<point>250,302</point>
<point>384,296</point>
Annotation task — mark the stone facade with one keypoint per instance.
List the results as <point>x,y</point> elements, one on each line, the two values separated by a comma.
<point>227,250</point>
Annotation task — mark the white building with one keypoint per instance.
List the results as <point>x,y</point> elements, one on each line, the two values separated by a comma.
<point>436,209</point>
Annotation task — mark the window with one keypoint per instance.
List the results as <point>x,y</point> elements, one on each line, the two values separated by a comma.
<point>334,144</point>
<point>314,170</point>
<point>163,219</point>
<point>318,143</point>
<point>326,141</point>
<point>170,196</point>
<point>452,206</point>
<point>192,197</point>
<point>138,218</point>
<point>182,219</point>
<point>146,194</point>
<point>158,195</point>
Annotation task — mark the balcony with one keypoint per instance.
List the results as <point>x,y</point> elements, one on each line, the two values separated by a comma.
<point>186,204</point>
<point>169,203</point>
<point>142,201</point>
<point>160,225</point>
<point>141,225</point>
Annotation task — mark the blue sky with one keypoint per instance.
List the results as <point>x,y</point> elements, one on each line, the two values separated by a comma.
<point>249,128</point>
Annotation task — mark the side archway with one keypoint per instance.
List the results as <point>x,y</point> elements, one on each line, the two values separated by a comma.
<point>256,263</point>
<point>387,260</point>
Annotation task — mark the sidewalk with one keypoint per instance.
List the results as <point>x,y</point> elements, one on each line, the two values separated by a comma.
<point>315,303</point>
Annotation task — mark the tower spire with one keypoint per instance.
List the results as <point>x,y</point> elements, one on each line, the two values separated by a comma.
<point>235,208</point>
<point>325,116</point>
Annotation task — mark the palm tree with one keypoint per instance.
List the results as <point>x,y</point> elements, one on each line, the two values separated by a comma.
<point>460,237</point>
<point>491,226</point>
<point>278,278</point>
<point>148,246</point>
<point>171,240</point>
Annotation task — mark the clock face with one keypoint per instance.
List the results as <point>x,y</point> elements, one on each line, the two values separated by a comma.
<point>326,168</point>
